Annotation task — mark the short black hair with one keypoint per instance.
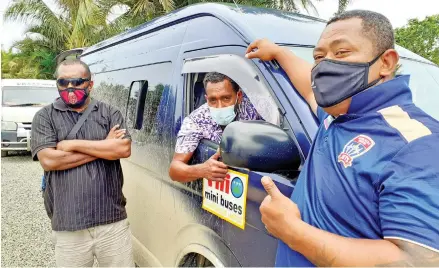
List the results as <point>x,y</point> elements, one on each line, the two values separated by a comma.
<point>376,27</point>
<point>214,77</point>
<point>73,62</point>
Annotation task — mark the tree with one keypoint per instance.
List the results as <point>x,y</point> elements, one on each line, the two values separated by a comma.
<point>79,23</point>
<point>342,5</point>
<point>29,62</point>
<point>82,23</point>
<point>421,37</point>
<point>140,11</point>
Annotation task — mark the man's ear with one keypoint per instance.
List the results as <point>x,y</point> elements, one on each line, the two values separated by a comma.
<point>239,95</point>
<point>90,86</point>
<point>205,96</point>
<point>389,60</point>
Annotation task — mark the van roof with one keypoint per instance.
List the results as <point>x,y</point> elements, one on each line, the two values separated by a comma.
<point>28,82</point>
<point>246,20</point>
<point>250,22</point>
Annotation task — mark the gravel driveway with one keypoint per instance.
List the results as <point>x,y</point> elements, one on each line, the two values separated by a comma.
<point>26,232</point>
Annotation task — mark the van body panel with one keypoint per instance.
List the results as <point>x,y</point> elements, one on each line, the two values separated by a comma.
<point>21,100</point>
<point>19,114</point>
<point>162,211</point>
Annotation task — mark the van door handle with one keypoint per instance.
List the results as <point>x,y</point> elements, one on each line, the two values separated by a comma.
<point>140,107</point>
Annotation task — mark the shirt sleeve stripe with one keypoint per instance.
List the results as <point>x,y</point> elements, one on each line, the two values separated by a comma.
<point>409,128</point>
<point>411,241</point>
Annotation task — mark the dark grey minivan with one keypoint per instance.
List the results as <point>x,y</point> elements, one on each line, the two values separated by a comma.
<point>153,74</point>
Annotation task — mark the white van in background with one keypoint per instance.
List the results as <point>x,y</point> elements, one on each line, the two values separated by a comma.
<point>21,99</point>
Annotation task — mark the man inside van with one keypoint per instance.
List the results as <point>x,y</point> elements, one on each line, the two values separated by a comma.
<point>225,103</point>
<point>83,195</point>
<point>368,193</point>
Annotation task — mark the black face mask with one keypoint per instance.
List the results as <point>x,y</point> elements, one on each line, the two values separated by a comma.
<point>335,81</point>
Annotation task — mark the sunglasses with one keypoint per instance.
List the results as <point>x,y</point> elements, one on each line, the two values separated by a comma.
<point>62,82</point>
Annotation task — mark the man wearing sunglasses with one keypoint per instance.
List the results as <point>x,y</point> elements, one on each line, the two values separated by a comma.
<point>83,195</point>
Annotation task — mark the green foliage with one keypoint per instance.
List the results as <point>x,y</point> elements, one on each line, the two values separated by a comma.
<point>342,5</point>
<point>421,37</point>
<point>36,63</point>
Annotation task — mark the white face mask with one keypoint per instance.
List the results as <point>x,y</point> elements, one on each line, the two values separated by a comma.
<point>224,116</point>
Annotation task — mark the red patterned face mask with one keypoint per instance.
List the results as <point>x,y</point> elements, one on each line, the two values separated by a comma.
<point>74,97</point>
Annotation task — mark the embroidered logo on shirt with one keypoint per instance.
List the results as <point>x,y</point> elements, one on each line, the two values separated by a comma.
<point>356,147</point>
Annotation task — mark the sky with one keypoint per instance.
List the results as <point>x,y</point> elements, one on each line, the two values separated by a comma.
<point>398,12</point>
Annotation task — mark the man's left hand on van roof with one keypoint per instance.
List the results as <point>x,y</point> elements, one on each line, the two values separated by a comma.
<point>297,69</point>
<point>226,103</point>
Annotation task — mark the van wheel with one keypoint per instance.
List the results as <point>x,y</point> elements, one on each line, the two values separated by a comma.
<point>195,260</point>
<point>4,153</point>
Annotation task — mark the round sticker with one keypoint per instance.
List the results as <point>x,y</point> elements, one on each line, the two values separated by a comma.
<point>237,187</point>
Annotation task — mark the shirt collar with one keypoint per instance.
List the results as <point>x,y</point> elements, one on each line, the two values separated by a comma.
<point>61,106</point>
<point>392,92</point>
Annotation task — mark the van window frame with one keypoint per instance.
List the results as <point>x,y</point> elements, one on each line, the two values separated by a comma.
<point>267,87</point>
<point>220,63</point>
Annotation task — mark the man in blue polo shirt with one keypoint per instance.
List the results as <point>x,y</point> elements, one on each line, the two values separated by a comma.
<point>368,193</point>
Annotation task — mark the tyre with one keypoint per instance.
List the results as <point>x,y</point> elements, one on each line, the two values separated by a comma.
<point>195,260</point>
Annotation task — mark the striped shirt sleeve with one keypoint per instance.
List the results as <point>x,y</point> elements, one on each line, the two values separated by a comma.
<point>116,118</point>
<point>43,134</point>
<point>188,137</point>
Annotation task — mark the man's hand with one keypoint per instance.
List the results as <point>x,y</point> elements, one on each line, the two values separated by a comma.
<point>297,69</point>
<point>65,146</point>
<point>278,212</point>
<point>116,133</point>
<point>213,169</point>
<point>264,50</point>
<point>283,220</point>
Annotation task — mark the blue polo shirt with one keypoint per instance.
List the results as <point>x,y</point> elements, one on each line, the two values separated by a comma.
<point>372,173</point>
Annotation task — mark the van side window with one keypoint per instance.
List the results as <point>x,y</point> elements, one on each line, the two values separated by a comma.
<point>122,88</point>
<point>156,76</point>
<point>150,117</point>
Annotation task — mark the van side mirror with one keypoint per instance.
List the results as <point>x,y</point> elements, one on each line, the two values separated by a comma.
<point>258,146</point>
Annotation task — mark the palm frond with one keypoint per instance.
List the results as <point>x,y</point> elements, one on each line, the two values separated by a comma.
<point>40,36</point>
<point>168,5</point>
<point>307,5</point>
<point>342,5</point>
<point>38,13</point>
<point>144,7</point>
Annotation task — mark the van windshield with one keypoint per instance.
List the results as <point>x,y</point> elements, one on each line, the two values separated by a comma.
<point>424,80</point>
<point>20,96</point>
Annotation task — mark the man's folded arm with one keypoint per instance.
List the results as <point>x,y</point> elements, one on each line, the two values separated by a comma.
<point>110,149</point>
<point>52,159</point>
